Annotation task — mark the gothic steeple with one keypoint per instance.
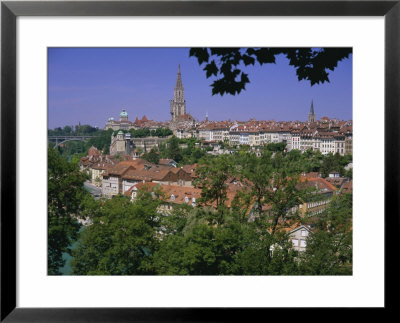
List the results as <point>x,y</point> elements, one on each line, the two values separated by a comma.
<point>179,78</point>
<point>178,104</point>
<point>179,90</point>
<point>311,115</point>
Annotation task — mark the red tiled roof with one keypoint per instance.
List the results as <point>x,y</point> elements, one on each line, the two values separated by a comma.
<point>289,226</point>
<point>319,182</point>
<point>311,175</point>
<point>337,181</point>
<point>347,187</point>
<point>164,161</point>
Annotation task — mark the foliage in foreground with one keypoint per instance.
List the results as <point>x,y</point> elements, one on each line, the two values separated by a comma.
<point>124,239</point>
<point>65,193</point>
<point>139,238</point>
<point>120,238</point>
<point>329,249</point>
<point>227,65</point>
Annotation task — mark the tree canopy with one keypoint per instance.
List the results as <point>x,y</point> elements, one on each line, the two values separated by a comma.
<point>226,64</point>
<point>65,194</point>
<point>329,248</point>
<point>214,237</point>
<point>120,238</point>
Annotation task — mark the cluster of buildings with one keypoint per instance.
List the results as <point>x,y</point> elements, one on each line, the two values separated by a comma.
<point>179,117</point>
<point>125,124</point>
<point>325,135</point>
<point>116,176</point>
<point>123,144</point>
<point>129,174</point>
<point>119,176</point>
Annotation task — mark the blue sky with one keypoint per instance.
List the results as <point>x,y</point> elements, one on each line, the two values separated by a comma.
<point>89,85</point>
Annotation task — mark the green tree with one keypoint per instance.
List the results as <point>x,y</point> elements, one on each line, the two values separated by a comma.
<point>67,130</point>
<point>252,255</point>
<point>257,173</point>
<point>211,176</point>
<point>101,141</point>
<point>349,173</point>
<point>139,150</point>
<point>173,150</point>
<point>121,238</point>
<point>65,193</point>
<point>329,247</point>
<point>283,195</point>
<point>76,158</point>
<point>86,129</point>
<point>233,248</point>
<point>273,180</point>
<point>192,254</point>
<point>279,146</point>
<point>140,133</point>
<point>332,162</point>
<point>284,260</point>
<point>227,64</point>
<point>203,250</point>
<point>152,156</point>
<point>177,220</point>
<point>161,132</point>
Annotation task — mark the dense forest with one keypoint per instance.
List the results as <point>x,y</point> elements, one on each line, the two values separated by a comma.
<point>134,238</point>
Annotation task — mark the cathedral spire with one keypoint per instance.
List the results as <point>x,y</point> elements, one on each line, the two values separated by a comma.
<point>178,104</point>
<point>311,115</point>
<point>179,79</point>
<point>312,107</point>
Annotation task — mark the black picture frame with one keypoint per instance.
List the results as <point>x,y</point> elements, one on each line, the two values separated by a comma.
<point>10,10</point>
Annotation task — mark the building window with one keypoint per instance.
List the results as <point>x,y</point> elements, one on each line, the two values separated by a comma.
<point>295,242</point>
<point>304,233</point>
<point>303,243</point>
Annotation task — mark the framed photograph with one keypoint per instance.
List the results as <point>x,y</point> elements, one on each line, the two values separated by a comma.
<point>162,158</point>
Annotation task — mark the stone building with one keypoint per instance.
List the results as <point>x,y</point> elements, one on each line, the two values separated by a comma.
<point>123,122</point>
<point>121,144</point>
<point>178,103</point>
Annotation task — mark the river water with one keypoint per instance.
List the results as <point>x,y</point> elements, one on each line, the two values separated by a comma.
<point>66,270</point>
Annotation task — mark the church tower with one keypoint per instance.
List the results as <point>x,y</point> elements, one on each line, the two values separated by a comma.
<point>178,104</point>
<point>311,115</point>
<point>123,116</point>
